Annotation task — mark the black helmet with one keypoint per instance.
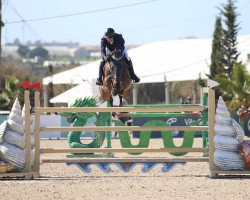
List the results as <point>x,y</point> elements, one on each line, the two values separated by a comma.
<point>110,32</point>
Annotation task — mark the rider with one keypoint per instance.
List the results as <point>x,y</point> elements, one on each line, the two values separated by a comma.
<point>112,41</point>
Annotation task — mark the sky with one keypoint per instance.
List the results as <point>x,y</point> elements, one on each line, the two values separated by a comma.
<point>139,21</point>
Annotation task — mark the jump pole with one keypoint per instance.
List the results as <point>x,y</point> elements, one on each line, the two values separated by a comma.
<point>27,167</point>
<point>211,122</point>
<point>37,134</point>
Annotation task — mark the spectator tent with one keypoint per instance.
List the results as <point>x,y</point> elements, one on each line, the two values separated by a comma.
<point>174,60</point>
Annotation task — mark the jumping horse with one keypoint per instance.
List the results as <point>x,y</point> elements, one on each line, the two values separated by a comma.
<point>116,79</point>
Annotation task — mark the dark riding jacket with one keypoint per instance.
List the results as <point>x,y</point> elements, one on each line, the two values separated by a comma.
<point>118,43</point>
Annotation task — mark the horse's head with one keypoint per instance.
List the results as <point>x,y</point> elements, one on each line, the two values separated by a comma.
<point>117,79</point>
<point>116,64</point>
<point>116,87</point>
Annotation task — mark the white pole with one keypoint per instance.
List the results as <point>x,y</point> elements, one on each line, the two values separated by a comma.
<point>135,91</point>
<point>167,90</point>
<point>27,168</point>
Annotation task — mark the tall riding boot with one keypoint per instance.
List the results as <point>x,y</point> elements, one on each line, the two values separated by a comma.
<point>99,79</point>
<point>135,78</point>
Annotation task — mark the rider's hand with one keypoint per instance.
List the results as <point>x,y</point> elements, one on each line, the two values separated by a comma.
<point>106,58</point>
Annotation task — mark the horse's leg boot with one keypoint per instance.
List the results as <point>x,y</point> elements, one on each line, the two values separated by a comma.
<point>99,79</point>
<point>135,78</point>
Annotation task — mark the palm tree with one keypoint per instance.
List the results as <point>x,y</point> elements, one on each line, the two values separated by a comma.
<point>235,91</point>
<point>10,92</point>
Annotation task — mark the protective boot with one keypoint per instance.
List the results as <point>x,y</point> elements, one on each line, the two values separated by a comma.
<point>135,78</point>
<point>99,79</point>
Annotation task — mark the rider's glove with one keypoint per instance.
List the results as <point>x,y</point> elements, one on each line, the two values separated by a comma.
<point>106,58</point>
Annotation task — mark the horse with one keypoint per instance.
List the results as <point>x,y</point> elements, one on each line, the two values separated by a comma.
<point>116,79</point>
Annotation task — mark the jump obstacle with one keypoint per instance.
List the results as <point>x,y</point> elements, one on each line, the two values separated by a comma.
<point>30,172</point>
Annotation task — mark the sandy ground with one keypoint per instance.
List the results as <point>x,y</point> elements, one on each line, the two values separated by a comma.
<point>190,181</point>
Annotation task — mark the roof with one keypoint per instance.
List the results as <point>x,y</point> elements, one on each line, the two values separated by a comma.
<point>175,60</point>
<point>80,91</point>
<point>85,89</point>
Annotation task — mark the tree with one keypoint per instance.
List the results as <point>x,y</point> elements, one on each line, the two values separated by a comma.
<point>38,43</point>
<point>237,88</point>
<point>230,36</point>
<point>17,42</point>
<point>217,55</point>
<point>40,51</point>
<point>10,92</point>
<point>23,51</point>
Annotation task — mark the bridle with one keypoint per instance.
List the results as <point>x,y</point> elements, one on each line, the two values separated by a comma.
<point>117,55</point>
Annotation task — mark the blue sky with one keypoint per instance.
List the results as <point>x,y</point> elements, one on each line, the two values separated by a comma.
<point>140,21</point>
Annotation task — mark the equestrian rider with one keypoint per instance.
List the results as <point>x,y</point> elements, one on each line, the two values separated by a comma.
<point>109,42</point>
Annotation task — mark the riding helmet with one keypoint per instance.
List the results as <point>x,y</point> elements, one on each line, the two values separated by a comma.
<point>110,32</point>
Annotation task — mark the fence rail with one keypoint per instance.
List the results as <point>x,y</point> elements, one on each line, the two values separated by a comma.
<point>124,160</point>
<point>126,128</point>
<point>189,108</point>
<point>123,150</point>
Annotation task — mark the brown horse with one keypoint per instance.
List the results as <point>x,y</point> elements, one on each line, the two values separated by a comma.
<point>116,79</point>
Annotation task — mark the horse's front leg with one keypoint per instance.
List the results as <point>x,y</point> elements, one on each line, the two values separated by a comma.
<point>111,101</point>
<point>121,103</point>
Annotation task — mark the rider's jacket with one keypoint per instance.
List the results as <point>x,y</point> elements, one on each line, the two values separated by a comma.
<point>118,43</point>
